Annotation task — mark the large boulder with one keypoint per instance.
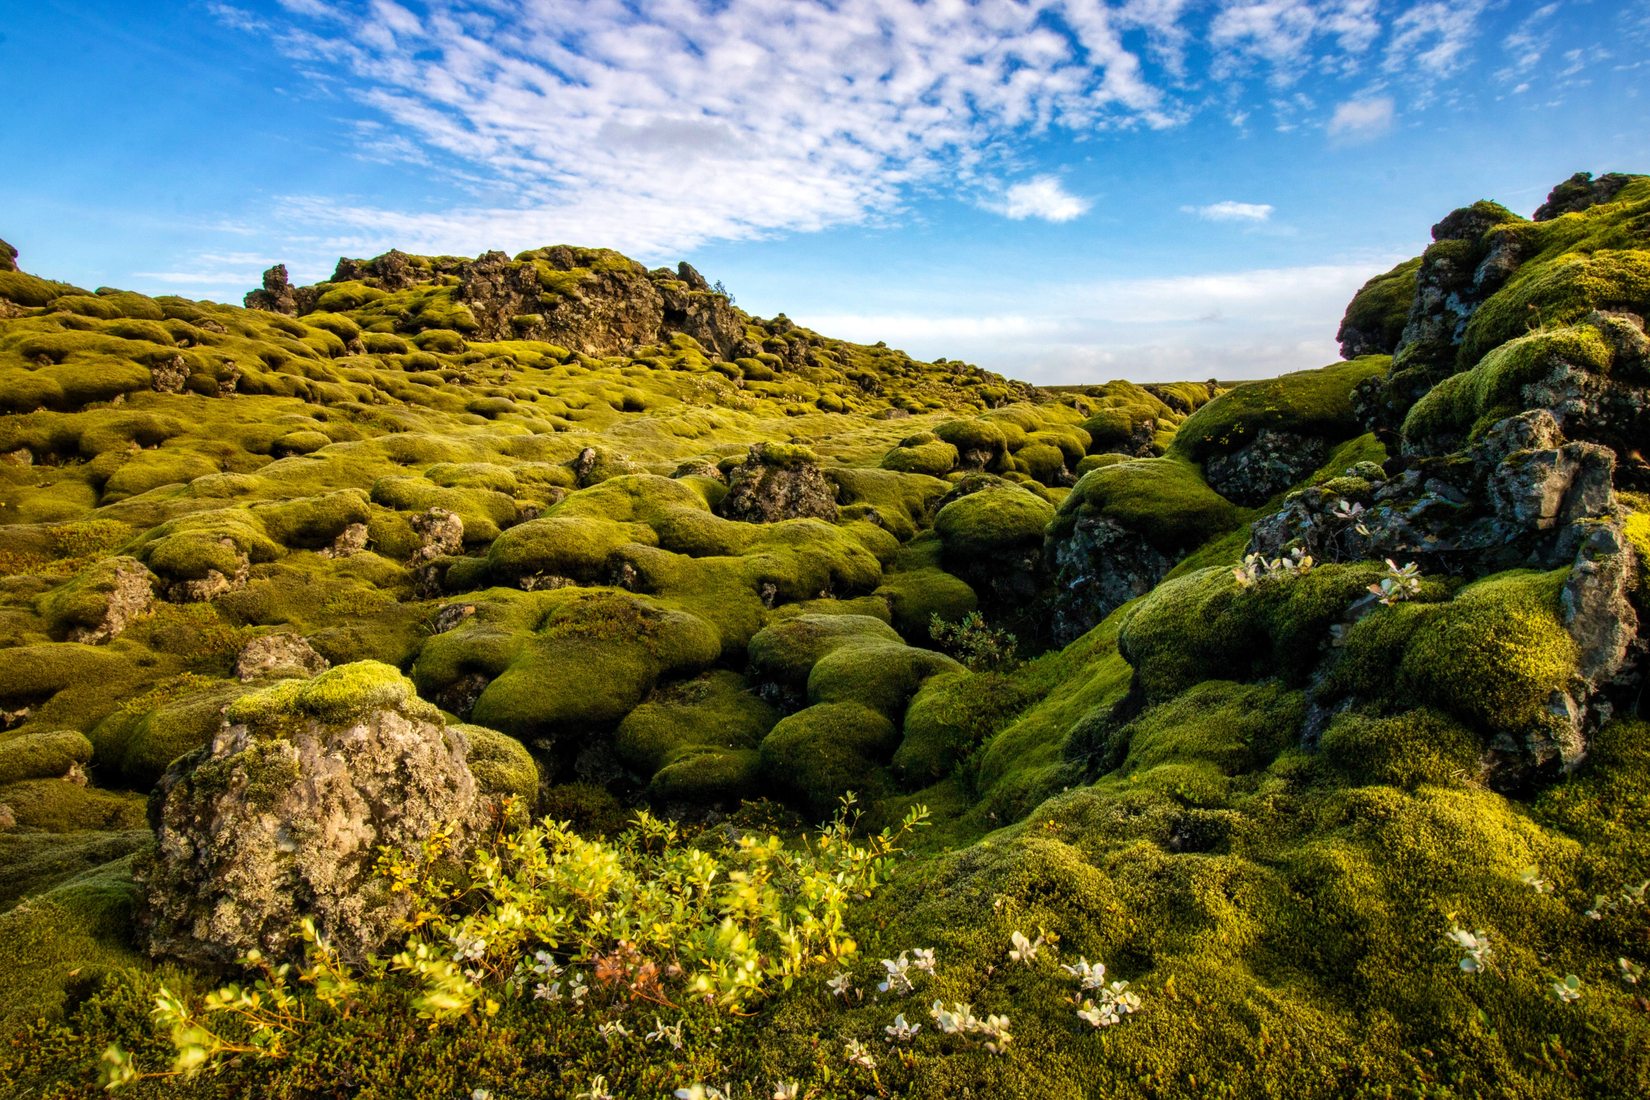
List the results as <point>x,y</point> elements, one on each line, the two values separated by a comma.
<point>778,481</point>
<point>284,815</point>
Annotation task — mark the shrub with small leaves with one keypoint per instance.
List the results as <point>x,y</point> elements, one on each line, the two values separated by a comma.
<point>980,647</point>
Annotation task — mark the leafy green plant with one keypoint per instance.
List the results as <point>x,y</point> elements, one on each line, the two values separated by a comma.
<point>982,648</point>
<point>654,920</point>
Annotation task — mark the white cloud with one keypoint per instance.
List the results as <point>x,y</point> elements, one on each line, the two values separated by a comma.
<point>657,127</point>
<point>1433,36</point>
<point>1362,119</point>
<point>1041,197</point>
<point>1229,211</point>
<point>1237,324</point>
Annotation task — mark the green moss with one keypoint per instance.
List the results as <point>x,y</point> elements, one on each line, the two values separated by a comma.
<point>993,522</point>
<point>1236,728</point>
<point>1493,656</point>
<point>575,547</point>
<point>706,715</point>
<point>83,602</point>
<point>1494,388</point>
<point>1163,499</point>
<point>915,596</point>
<point>879,675</point>
<point>922,454</point>
<point>1405,750</point>
<point>34,862</point>
<point>502,765</point>
<point>146,734</point>
<point>1558,291</point>
<point>817,755</point>
<point>312,523</point>
<point>64,940</point>
<point>66,806</point>
<point>1205,625</point>
<point>1380,308</point>
<point>951,715</point>
<point>787,651</point>
<point>1311,403</point>
<point>47,755</point>
<point>338,695</point>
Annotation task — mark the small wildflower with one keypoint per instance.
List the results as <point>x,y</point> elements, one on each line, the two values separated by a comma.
<point>1567,990</point>
<point>1091,975</point>
<point>923,959</point>
<point>1104,1015</point>
<point>1022,949</point>
<point>995,1031</point>
<point>857,1055</point>
<point>1400,583</point>
<point>1631,971</point>
<point>597,1090</point>
<point>671,1033</point>
<point>898,979</point>
<point>1475,944</point>
<point>786,1090</point>
<point>1531,877</point>
<point>613,1031</point>
<point>1601,906</point>
<point>840,984</point>
<point>697,1091</point>
<point>900,1031</point>
<point>481,1094</point>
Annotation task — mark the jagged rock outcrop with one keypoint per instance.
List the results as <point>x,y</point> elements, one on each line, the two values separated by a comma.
<point>1272,462</point>
<point>102,602</point>
<point>277,295</point>
<point>282,654</point>
<point>440,533</point>
<point>776,482</point>
<point>283,815</point>
<point>1580,192</point>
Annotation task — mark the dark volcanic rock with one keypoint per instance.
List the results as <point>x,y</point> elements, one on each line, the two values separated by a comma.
<point>776,482</point>
<point>1581,191</point>
<point>1272,462</point>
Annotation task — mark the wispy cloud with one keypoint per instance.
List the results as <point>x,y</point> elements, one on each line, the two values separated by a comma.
<point>1362,119</point>
<point>1229,211</point>
<point>1042,197</point>
<point>657,127</point>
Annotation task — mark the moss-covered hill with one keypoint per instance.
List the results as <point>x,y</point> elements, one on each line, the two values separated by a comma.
<point>1343,826</point>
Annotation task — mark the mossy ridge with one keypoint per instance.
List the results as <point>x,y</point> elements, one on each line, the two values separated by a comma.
<point>1312,403</point>
<point>1165,500</point>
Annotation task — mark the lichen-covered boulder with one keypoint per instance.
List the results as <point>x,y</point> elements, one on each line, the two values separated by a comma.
<point>1268,464</point>
<point>100,603</point>
<point>776,482</point>
<point>280,654</point>
<point>283,815</point>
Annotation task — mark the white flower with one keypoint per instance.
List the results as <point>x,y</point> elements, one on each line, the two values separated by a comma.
<point>545,965</point>
<point>1022,949</point>
<point>672,1033</point>
<point>697,1091</point>
<point>901,1032</point>
<point>1631,971</point>
<point>597,1090</point>
<point>1091,975</point>
<point>1475,944</point>
<point>898,980</point>
<point>1101,1015</point>
<point>1568,989</point>
<point>613,1031</point>
<point>467,948</point>
<point>547,992</point>
<point>994,1029</point>
<point>786,1090</point>
<point>857,1055</point>
<point>840,984</point>
<point>481,1094</point>
<point>923,959</point>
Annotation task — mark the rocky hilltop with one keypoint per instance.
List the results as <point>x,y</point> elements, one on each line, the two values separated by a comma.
<point>1313,708</point>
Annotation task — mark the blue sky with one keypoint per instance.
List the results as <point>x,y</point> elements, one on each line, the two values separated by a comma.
<point>1065,191</point>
